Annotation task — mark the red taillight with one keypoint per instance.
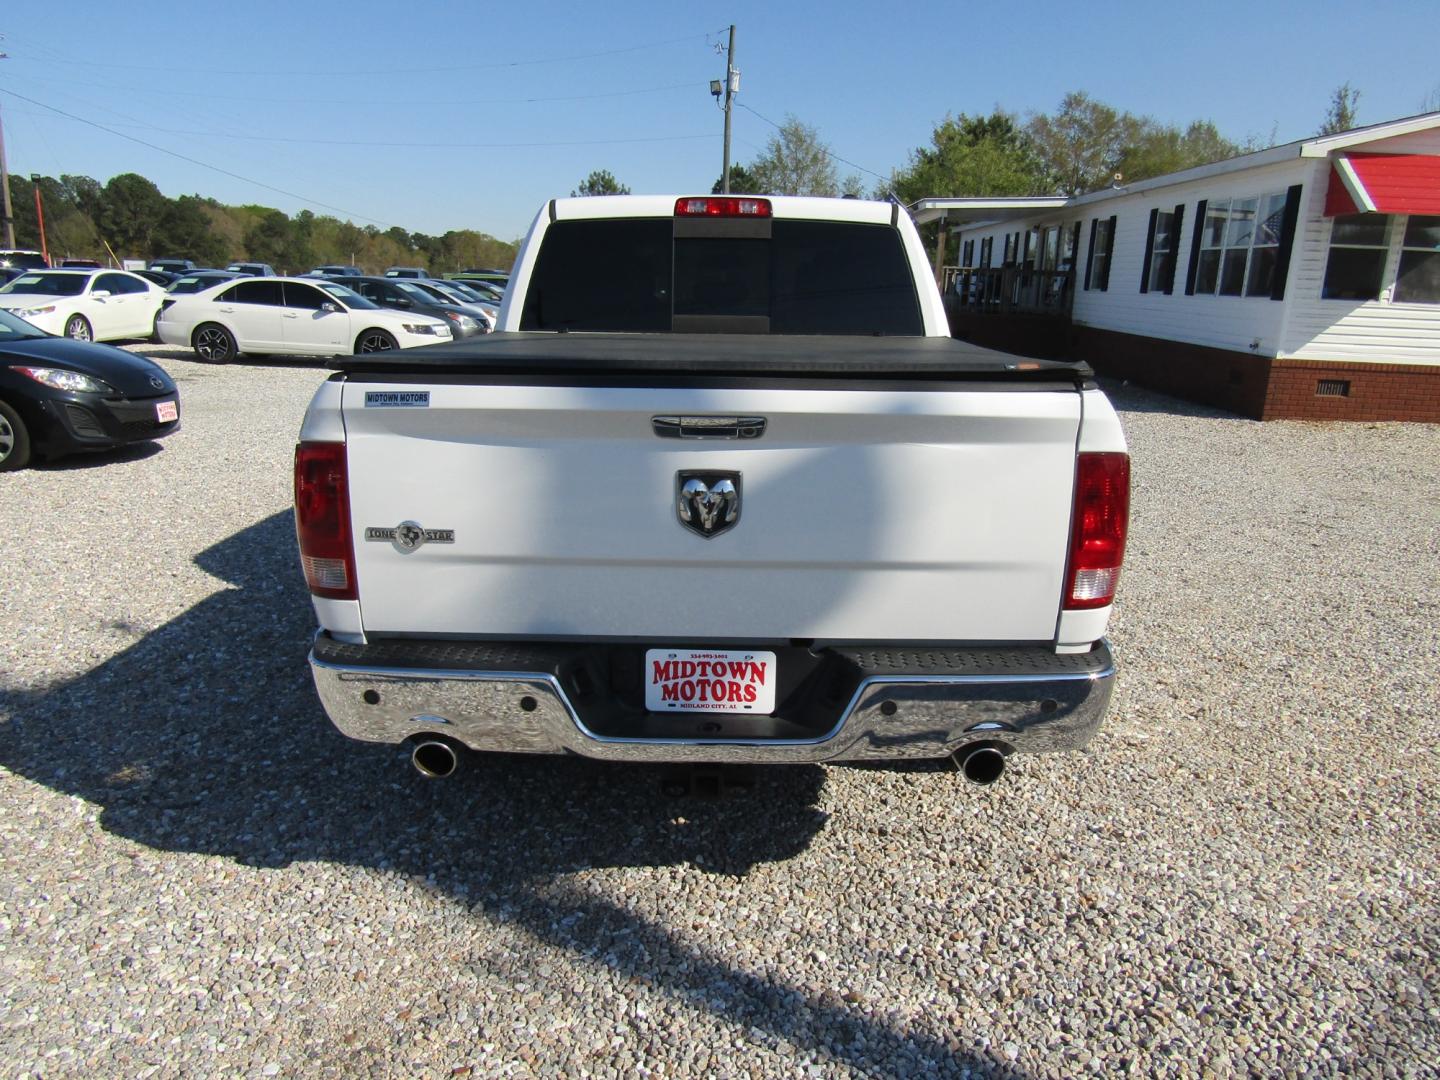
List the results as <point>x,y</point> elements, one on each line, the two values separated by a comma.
<point>322,519</point>
<point>721,206</point>
<point>1097,530</point>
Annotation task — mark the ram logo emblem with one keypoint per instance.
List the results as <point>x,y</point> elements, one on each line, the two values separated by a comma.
<point>707,503</point>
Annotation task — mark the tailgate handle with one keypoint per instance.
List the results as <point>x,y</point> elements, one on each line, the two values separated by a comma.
<point>708,427</point>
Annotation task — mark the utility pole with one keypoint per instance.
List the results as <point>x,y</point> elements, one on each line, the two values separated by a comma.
<point>732,84</point>
<point>9,220</point>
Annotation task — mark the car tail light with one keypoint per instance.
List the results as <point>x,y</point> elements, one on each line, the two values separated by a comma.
<point>1097,530</point>
<point>722,206</point>
<point>322,519</point>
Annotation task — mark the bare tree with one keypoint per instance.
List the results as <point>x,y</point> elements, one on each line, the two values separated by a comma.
<point>1341,116</point>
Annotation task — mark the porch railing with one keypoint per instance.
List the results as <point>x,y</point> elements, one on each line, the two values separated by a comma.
<point>1010,289</point>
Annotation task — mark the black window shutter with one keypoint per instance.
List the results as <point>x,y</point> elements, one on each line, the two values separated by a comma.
<point>1025,258</point>
<point>1196,235</point>
<point>1109,257</point>
<point>1287,241</point>
<point>1170,260</point>
<point>1149,250</point>
<point>1090,255</point>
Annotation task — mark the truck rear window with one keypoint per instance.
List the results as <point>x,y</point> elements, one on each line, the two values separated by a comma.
<point>636,275</point>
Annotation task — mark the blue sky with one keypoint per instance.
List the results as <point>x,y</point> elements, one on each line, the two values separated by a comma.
<point>503,105</point>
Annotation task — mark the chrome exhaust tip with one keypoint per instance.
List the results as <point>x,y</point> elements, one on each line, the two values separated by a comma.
<point>434,759</point>
<point>981,765</point>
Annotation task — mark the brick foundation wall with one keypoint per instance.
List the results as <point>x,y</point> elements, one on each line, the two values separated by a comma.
<point>1376,391</point>
<point>1255,386</point>
<point>1262,388</point>
<point>1228,380</point>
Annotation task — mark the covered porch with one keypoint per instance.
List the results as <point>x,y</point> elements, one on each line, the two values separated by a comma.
<point>1029,283</point>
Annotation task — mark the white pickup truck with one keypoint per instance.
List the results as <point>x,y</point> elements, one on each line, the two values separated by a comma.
<point>720,488</point>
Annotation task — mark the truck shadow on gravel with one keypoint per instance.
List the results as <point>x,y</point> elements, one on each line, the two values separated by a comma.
<point>206,736</point>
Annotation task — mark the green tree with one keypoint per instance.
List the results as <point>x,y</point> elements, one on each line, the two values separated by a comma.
<point>600,182</point>
<point>1086,142</point>
<point>185,229</point>
<point>972,155</point>
<point>267,239</point>
<point>742,182</point>
<point>1081,144</point>
<point>795,162</point>
<point>129,213</point>
<point>1341,114</point>
<point>1154,149</point>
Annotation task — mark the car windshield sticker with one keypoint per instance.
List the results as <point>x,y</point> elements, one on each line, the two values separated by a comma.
<point>397,399</point>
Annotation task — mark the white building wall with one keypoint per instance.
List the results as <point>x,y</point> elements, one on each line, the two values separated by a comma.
<point>1241,323</point>
<point>1373,331</point>
<point>1302,326</point>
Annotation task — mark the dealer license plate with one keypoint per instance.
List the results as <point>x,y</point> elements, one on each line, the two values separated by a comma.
<point>703,680</point>
<point>165,411</point>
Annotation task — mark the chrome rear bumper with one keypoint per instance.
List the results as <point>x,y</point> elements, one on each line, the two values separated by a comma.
<point>906,704</point>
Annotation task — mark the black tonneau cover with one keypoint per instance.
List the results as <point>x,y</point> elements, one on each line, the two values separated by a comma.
<point>839,357</point>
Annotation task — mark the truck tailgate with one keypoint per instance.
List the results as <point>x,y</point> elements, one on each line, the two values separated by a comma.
<point>866,515</point>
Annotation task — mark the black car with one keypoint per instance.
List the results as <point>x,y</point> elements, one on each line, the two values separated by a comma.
<point>403,295</point>
<point>60,396</point>
<point>336,270</point>
<point>197,281</point>
<point>175,266</point>
<point>23,260</point>
<point>163,278</point>
<point>499,278</point>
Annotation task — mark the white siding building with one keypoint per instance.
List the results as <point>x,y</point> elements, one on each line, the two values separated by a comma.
<point>1299,281</point>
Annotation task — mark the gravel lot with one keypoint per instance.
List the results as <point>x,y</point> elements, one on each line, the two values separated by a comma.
<point>198,876</point>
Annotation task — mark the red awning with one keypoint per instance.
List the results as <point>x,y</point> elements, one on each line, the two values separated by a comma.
<point>1384,184</point>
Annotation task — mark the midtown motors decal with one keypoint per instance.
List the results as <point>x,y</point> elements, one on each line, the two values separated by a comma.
<point>679,680</point>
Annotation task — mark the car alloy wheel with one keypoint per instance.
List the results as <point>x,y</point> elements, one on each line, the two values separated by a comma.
<point>373,341</point>
<point>215,344</point>
<point>78,327</point>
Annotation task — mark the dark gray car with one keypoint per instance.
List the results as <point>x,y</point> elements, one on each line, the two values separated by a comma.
<point>402,295</point>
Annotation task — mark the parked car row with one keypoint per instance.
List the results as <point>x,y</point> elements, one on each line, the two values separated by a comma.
<point>62,392</point>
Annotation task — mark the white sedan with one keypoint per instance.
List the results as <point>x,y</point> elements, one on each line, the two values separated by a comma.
<point>89,305</point>
<point>297,316</point>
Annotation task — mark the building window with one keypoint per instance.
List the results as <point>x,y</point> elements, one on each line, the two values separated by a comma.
<point>1240,246</point>
<point>1009,249</point>
<point>1265,254</point>
<point>1101,239</point>
<point>987,247</point>
<point>967,253</point>
<point>1355,268</point>
<point>1419,279</point>
<point>1162,243</point>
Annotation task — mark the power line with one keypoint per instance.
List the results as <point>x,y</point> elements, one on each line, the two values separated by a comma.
<point>448,144</point>
<point>329,73</point>
<point>329,142</point>
<point>427,103</point>
<point>196,161</point>
<point>828,153</point>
